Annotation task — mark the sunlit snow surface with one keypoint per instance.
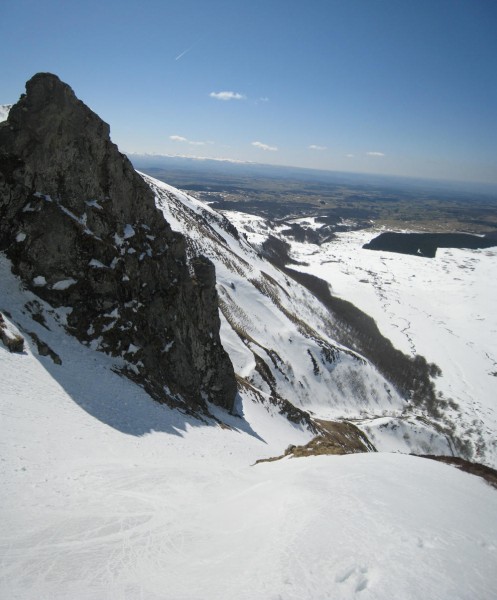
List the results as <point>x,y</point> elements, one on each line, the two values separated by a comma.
<point>442,308</point>
<point>282,322</point>
<point>417,302</point>
<point>106,494</point>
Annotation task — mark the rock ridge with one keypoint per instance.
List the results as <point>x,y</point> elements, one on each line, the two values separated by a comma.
<point>82,231</point>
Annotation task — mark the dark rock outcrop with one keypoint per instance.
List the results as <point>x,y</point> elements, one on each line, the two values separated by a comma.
<point>427,244</point>
<point>82,230</point>
<point>12,341</point>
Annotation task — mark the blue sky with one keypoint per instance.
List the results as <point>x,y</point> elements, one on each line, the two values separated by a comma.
<point>396,87</point>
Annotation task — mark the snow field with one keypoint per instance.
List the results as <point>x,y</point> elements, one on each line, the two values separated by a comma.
<point>107,494</point>
<point>95,513</point>
<point>441,308</point>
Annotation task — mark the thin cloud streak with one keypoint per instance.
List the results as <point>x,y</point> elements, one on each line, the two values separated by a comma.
<point>375,153</point>
<point>189,48</point>
<point>315,147</point>
<point>183,53</point>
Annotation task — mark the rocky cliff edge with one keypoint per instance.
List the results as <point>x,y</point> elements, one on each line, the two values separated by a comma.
<point>82,231</point>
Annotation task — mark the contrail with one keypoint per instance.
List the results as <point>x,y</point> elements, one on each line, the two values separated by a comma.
<point>190,48</point>
<point>183,53</point>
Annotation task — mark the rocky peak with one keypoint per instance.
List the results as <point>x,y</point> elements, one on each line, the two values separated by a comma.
<point>82,230</point>
<point>67,152</point>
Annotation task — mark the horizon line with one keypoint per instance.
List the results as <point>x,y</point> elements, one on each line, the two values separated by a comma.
<point>487,184</point>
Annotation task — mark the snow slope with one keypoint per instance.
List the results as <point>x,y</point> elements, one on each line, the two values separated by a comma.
<point>440,308</point>
<point>275,331</point>
<point>106,494</point>
<point>281,338</point>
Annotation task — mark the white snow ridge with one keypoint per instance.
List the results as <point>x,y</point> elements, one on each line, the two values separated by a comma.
<point>4,111</point>
<point>107,494</point>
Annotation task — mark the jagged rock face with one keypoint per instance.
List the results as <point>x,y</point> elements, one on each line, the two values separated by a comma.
<point>82,230</point>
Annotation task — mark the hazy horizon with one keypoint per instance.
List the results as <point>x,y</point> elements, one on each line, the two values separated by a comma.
<point>195,163</point>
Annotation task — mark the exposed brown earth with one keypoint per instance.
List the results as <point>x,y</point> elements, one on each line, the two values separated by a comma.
<point>335,437</point>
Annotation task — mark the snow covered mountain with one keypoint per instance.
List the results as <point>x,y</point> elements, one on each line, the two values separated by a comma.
<point>441,309</point>
<point>292,360</point>
<point>107,493</point>
<point>276,332</point>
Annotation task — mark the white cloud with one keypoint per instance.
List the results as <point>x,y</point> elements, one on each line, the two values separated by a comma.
<point>349,155</point>
<point>180,138</point>
<point>264,146</point>
<point>315,147</point>
<point>375,153</point>
<point>227,96</point>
